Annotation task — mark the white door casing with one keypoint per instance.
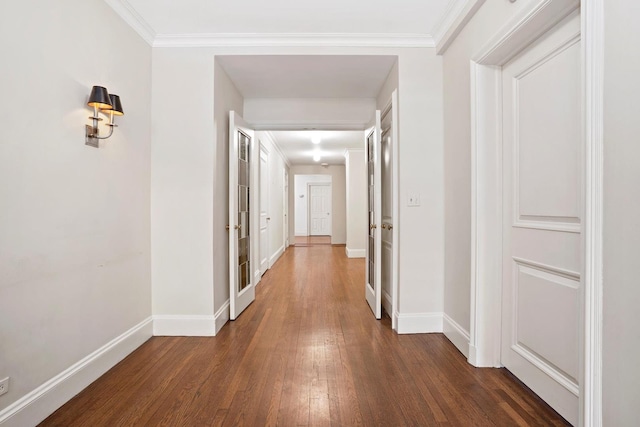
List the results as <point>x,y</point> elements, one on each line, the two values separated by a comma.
<point>241,158</point>
<point>319,209</point>
<point>373,288</point>
<point>264,210</point>
<point>542,217</point>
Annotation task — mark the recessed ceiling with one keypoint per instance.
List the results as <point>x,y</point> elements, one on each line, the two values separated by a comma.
<point>307,76</point>
<point>299,150</point>
<point>164,17</point>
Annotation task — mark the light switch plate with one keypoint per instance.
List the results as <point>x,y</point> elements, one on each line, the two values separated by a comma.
<point>413,199</point>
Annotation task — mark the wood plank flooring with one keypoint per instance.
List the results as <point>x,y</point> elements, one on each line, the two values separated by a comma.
<point>307,352</point>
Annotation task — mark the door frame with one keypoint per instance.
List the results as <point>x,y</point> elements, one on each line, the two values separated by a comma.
<point>486,188</point>
<point>319,184</point>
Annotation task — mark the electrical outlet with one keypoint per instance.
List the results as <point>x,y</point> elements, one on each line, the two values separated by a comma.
<point>4,386</point>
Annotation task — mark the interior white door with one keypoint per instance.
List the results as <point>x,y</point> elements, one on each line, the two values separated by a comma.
<point>319,209</point>
<point>241,146</point>
<point>286,209</point>
<point>264,210</point>
<point>373,289</point>
<point>542,217</point>
<point>386,202</point>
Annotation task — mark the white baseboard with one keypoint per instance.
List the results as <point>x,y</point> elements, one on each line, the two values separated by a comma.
<point>37,405</point>
<point>276,256</point>
<point>419,323</point>
<point>355,253</point>
<point>222,316</point>
<point>184,326</point>
<point>456,334</point>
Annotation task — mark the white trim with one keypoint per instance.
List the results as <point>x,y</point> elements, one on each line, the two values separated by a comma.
<point>355,253</point>
<point>276,147</point>
<point>302,125</point>
<point>593,64</point>
<point>456,334</point>
<point>458,14</point>
<point>276,256</point>
<point>221,316</point>
<point>127,12</point>
<point>293,40</point>
<point>37,405</point>
<point>524,28</point>
<point>184,325</point>
<point>419,323</point>
<point>486,215</point>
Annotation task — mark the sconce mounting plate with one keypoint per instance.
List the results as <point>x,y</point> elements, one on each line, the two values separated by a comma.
<point>89,139</point>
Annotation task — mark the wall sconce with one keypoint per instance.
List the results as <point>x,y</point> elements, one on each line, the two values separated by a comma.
<point>106,103</point>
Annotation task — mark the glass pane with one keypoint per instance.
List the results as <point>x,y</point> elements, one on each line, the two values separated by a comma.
<point>243,148</point>
<point>243,242</point>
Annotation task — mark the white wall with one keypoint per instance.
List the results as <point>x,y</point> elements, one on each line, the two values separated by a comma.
<point>457,154</point>
<point>336,113</point>
<point>74,221</point>
<point>621,213</point>
<point>421,171</point>
<point>189,184</point>
<point>356,194</point>
<point>225,98</point>
<point>338,200</point>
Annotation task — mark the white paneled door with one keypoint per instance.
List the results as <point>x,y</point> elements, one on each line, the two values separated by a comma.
<point>264,210</point>
<point>542,217</point>
<point>386,199</point>
<point>373,288</point>
<point>320,209</point>
<point>241,147</point>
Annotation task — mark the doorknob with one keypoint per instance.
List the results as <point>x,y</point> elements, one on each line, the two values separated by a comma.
<point>372,226</point>
<point>389,226</point>
<point>384,226</point>
<point>237,227</point>
<point>226,226</point>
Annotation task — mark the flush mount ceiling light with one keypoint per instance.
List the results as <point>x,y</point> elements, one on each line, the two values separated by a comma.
<point>316,139</point>
<point>316,157</point>
<point>102,102</point>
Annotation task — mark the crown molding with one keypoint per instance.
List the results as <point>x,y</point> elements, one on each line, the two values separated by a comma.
<point>124,9</point>
<point>294,40</point>
<point>276,146</point>
<point>457,15</point>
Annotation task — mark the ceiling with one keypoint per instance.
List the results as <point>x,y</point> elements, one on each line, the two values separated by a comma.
<point>400,23</point>
<point>298,148</point>
<point>170,17</point>
<point>307,76</point>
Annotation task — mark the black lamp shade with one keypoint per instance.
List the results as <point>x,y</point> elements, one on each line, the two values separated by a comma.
<point>116,104</point>
<point>99,97</point>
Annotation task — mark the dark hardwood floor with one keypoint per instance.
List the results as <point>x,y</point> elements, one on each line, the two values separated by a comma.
<point>307,352</point>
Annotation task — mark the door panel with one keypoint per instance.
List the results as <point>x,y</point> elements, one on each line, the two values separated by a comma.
<point>386,202</point>
<point>319,210</point>
<point>264,210</point>
<point>241,145</point>
<point>373,288</point>
<point>542,187</point>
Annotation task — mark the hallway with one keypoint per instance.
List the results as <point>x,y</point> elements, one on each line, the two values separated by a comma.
<point>307,352</point>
